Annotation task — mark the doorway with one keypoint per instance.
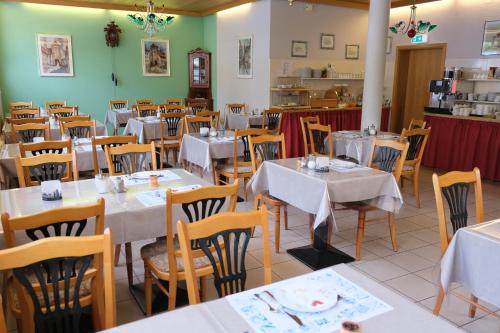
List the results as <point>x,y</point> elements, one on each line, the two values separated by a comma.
<point>415,66</point>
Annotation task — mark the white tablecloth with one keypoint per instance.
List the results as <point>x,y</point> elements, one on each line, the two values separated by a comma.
<point>473,260</point>
<point>146,130</point>
<point>313,191</point>
<point>219,317</point>
<point>116,118</point>
<point>243,121</point>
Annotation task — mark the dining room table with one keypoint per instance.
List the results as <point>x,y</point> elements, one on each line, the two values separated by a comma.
<point>313,191</point>
<point>472,260</point>
<point>117,118</point>
<point>340,292</point>
<point>243,120</point>
<point>146,129</point>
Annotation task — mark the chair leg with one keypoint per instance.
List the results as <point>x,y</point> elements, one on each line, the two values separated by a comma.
<point>117,253</point>
<point>148,290</point>
<point>439,302</point>
<point>285,216</point>
<point>311,224</point>
<point>128,258</point>
<point>203,288</point>
<point>416,192</point>
<point>245,192</point>
<point>392,231</point>
<point>360,233</point>
<point>174,152</point>
<point>172,293</point>
<point>472,307</point>
<point>277,219</point>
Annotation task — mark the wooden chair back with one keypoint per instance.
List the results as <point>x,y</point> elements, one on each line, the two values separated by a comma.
<point>171,126</point>
<point>236,108</point>
<point>118,104</point>
<point>45,147</point>
<point>168,108</point>
<point>54,105</point>
<point>20,105</point>
<point>417,123</point>
<point>272,120</point>
<point>109,141</point>
<point>78,129</point>
<point>215,115</point>
<point>176,101</point>
<point>391,155</point>
<point>318,134</point>
<point>25,113</point>
<point>143,101</point>
<point>265,148</point>
<point>304,122</point>
<point>244,136</point>
<point>64,111</point>
<point>193,124</point>
<point>198,106</point>
<point>46,167</point>
<point>417,139</point>
<point>45,303</point>
<point>226,234</point>
<point>147,110</point>
<point>454,186</point>
<point>26,132</point>
<point>25,121</point>
<point>130,158</point>
<point>69,119</point>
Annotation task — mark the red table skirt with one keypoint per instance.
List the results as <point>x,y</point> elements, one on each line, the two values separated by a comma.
<point>340,119</point>
<point>462,144</point>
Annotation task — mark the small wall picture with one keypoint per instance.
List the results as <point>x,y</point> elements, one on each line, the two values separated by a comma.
<point>55,55</point>
<point>352,51</point>
<point>299,48</point>
<point>245,66</point>
<point>491,38</point>
<point>155,57</point>
<point>388,45</point>
<point>327,42</point>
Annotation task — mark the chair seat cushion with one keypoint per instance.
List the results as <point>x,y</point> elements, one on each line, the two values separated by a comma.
<point>167,142</point>
<point>408,167</point>
<point>156,254</point>
<point>241,169</point>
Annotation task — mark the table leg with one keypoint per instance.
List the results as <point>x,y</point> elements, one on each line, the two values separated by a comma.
<point>320,254</point>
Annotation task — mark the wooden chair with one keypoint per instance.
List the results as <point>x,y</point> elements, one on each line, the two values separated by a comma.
<point>272,120</point>
<point>163,259</point>
<point>54,105</point>
<point>62,112</point>
<point>417,123</point>
<point>176,101</point>
<point>318,134</point>
<point>20,105</point>
<point>454,187</point>
<point>54,223</point>
<point>236,108</point>
<point>242,166</point>
<point>193,124</point>
<point>25,133</point>
<point>197,106</point>
<point>78,129</point>
<point>264,148</point>
<point>3,325</point>
<point>147,110</point>
<point>143,101</point>
<point>213,114</point>
<point>109,141</point>
<point>25,121</point>
<point>45,147</point>
<point>69,119</point>
<point>118,104</point>
<point>171,131</point>
<point>391,155</point>
<point>168,108</point>
<point>25,113</point>
<point>411,169</point>
<point>304,123</point>
<point>227,234</point>
<point>46,167</point>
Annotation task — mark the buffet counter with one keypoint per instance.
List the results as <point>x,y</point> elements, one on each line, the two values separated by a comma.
<point>462,143</point>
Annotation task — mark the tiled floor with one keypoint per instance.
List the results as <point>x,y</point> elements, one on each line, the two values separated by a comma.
<point>411,272</point>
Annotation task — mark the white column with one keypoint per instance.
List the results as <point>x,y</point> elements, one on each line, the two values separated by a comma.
<point>373,89</point>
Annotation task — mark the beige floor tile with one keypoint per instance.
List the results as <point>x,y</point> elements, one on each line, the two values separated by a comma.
<point>453,309</point>
<point>365,254</point>
<point>276,258</point>
<point>413,287</point>
<point>128,311</point>
<point>427,235</point>
<point>290,269</point>
<point>430,252</point>
<point>381,269</point>
<point>430,274</point>
<point>487,324</point>
<point>409,261</point>
<point>379,247</point>
<point>122,291</point>
<point>407,242</point>
<point>255,278</point>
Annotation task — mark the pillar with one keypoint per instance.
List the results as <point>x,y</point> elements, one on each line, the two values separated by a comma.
<point>373,89</point>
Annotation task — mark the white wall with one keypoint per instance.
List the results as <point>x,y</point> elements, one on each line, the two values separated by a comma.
<point>249,19</point>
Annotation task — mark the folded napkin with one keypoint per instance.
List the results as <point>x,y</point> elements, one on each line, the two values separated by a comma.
<point>84,141</point>
<point>342,164</point>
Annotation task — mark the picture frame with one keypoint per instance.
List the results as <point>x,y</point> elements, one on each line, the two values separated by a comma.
<point>245,57</point>
<point>491,38</point>
<point>299,48</point>
<point>155,57</point>
<point>327,41</point>
<point>55,55</point>
<point>388,45</point>
<point>352,51</point>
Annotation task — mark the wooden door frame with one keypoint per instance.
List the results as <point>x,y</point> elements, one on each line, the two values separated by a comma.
<point>395,81</point>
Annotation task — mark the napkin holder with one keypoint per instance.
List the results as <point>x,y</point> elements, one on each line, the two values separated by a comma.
<point>204,131</point>
<point>51,190</point>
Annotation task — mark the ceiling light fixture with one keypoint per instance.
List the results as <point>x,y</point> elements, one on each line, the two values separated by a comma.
<point>413,27</point>
<point>150,22</point>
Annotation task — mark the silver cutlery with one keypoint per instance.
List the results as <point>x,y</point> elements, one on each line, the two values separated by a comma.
<point>280,310</point>
<point>294,317</point>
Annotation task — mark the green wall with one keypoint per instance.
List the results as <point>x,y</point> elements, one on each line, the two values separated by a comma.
<point>210,44</point>
<point>91,86</point>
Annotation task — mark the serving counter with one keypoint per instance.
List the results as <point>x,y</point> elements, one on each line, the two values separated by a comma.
<point>462,143</point>
<point>339,118</point>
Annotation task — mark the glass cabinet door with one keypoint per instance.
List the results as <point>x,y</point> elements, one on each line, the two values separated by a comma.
<point>199,67</point>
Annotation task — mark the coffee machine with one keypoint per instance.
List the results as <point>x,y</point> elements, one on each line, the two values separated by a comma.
<point>443,92</point>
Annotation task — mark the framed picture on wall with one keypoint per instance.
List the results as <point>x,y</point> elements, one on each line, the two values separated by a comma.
<point>245,65</point>
<point>352,51</point>
<point>491,38</point>
<point>155,57</point>
<point>299,48</point>
<point>55,56</point>
<point>327,42</point>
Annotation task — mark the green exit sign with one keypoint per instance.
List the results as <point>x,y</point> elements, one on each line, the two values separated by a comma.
<point>419,39</point>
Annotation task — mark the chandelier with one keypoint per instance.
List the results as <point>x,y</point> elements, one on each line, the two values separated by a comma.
<point>150,22</point>
<point>413,27</point>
